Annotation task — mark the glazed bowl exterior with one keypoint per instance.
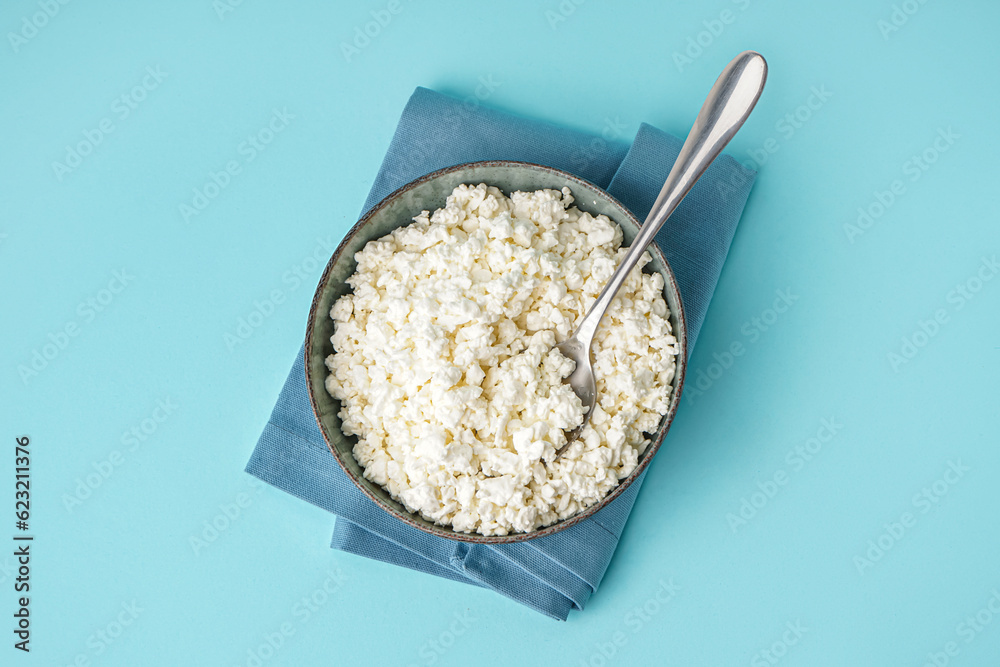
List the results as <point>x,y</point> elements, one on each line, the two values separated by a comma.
<point>396,210</point>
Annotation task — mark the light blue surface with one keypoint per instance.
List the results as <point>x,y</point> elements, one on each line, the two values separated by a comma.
<point>163,337</point>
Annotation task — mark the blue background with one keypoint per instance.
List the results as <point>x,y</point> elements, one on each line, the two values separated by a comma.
<point>597,66</point>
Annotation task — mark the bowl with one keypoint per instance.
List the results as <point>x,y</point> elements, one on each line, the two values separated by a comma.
<point>396,210</point>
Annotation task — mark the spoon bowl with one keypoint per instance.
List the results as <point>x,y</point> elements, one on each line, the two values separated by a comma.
<point>582,381</point>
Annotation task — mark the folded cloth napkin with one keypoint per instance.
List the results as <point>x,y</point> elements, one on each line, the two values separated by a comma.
<point>556,573</point>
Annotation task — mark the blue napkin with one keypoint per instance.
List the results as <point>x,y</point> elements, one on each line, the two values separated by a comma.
<point>556,573</point>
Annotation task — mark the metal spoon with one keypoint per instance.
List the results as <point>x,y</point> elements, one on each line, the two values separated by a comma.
<point>727,107</point>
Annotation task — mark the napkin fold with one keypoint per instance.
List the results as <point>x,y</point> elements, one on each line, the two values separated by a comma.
<point>559,572</point>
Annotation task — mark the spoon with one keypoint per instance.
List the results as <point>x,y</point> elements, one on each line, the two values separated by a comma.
<point>727,107</point>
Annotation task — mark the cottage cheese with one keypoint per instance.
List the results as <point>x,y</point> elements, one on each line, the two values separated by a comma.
<point>445,370</point>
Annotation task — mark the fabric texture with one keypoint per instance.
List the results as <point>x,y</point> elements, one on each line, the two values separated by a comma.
<point>559,572</point>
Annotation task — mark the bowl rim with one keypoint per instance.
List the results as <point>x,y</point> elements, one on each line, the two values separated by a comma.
<point>446,532</point>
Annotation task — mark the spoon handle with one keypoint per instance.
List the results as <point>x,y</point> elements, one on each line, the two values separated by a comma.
<point>727,107</point>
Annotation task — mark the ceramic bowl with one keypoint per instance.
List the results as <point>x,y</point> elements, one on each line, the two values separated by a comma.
<point>396,210</point>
